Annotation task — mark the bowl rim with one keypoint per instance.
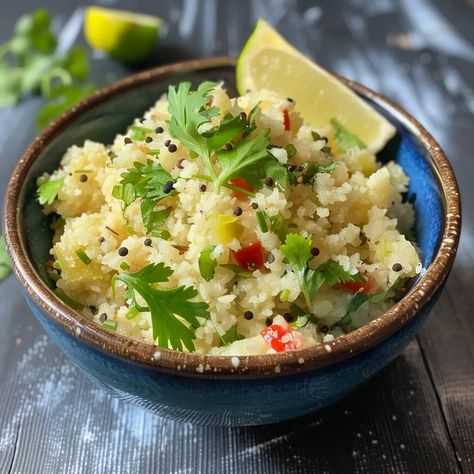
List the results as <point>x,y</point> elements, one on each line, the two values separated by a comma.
<point>228,367</point>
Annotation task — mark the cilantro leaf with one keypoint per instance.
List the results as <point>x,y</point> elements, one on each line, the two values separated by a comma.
<point>167,307</point>
<point>5,264</point>
<point>297,250</point>
<point>334,274</point>
<point>237,270</point>
<point>145,181</point>
<point>48,190</point>
<point>358,299</point>
<point>188,113</point>
<point>206,263</point>
<point>250,160</point>
<point>345,139</point>
<point>230,336</point>
<point>62,97</point>
<point>305,174</point>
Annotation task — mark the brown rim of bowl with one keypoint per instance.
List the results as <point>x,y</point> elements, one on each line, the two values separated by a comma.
<point>227,367</point>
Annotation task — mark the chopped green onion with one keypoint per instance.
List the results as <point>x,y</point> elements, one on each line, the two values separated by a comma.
<point>290,150</point>
<point>110,324</point>
<point>262,222</point>
<point>124,266</point>
<point>56,265</point>
<point>153,152</point>
<point>277,224</point>
<point>112,155</point>
<point>83,171</point>
<point>67,299</point>
<point>132,313</point>
<point>83,256</point>
<point>206,263</point>
<point>284,294</point>
<point>193,154</point>
<point>316,136</point>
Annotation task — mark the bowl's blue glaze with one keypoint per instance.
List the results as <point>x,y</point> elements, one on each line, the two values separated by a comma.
<point>217,401</point>
<point>230,402</point>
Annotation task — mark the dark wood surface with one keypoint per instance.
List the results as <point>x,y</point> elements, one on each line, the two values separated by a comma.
<point>417,415</point>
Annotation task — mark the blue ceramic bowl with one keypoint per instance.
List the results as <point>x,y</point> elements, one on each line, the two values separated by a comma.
<point>226,390</point>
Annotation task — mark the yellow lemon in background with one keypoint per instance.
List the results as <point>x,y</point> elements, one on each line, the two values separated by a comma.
<point>267,61</point>
<point>126,36</point>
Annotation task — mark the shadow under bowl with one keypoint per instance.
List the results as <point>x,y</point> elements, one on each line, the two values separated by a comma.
<point>226,390</point>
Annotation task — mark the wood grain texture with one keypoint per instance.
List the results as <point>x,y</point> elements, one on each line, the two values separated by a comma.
<point>416,416</point>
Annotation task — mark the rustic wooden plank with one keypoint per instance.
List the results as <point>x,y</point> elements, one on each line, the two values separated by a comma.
<point>59,418</point>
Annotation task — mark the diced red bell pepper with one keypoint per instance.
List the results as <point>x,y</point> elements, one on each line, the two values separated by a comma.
<point>242,184</point>
<point>281,338</point>
<point>250,258</point>
<point>286,119</point>
<point>365,288</point>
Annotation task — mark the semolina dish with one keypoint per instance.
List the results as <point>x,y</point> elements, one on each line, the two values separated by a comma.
<point>229,226</point>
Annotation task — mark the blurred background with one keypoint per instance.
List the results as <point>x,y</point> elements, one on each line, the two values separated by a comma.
<point>417,415</point>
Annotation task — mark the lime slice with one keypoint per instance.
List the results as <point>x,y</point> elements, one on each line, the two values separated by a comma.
<point>267,61</point>
<point>126,36</point>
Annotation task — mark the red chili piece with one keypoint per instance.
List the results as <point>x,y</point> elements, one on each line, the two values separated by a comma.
<point>250,258</point>
<point>242,184</point>
<point>280,338</point>
<point>286,119</point>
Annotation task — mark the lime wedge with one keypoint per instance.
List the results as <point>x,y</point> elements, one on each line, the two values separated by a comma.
<point>267,61</point>
<point>126,36</point>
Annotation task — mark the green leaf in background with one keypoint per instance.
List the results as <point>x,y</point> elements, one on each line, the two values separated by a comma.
<point>29,64</point>
<point>5,264</point>
<point>61,99</point>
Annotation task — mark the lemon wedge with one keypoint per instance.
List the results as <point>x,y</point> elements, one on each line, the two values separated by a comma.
<point>126,36</point>
<point>267,61</point>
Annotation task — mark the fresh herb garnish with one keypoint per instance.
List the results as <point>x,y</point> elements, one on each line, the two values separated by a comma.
<point>61,98</point>
<point>207,264</point>
<point>262,221</point>
<point>29,63</point>
<point>358,299</point>
<point>345,139</point>
<point>248,159</point>
<point>5,264</point>
<point>48,190</point>
<point>110,324</point>
<point>297,250</point>
<point>230,336</point>
<point>305,174</point>
<point>168,308</point>
<point>139,133</point>
<point>237,270</point>
<point>147,181</point>
<point>278,226</point>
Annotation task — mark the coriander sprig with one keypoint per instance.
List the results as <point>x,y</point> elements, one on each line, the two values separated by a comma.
<point>151,183</point>
<point>246,158</point>
<point>297,251</point>
<point>170,310</point>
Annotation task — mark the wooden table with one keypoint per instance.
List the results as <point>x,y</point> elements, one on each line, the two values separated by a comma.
<point>417,415</point>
